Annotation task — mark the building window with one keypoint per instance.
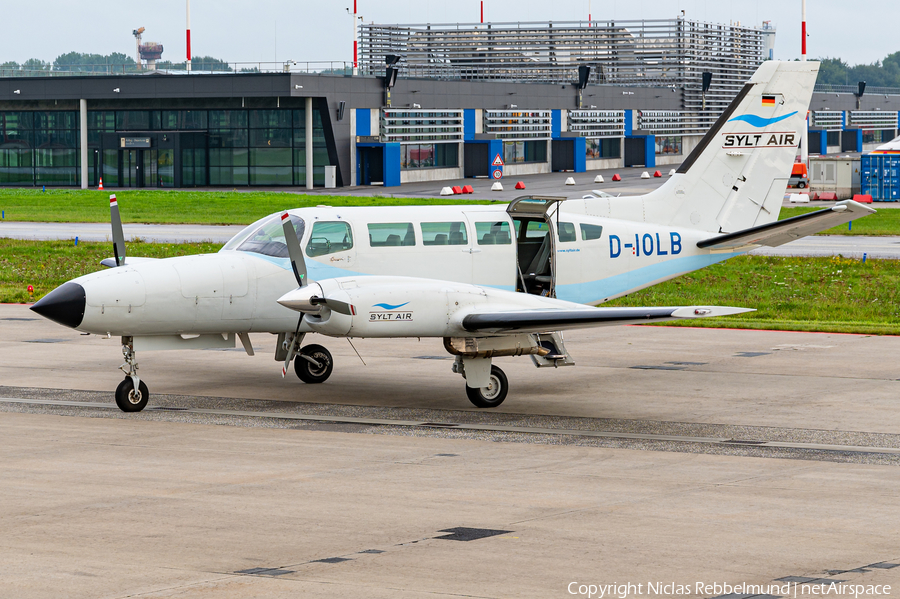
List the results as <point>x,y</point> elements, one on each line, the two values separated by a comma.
<point>329,238</point>
<point>597,148</point>
<point>518,152</point>
<point>669,145</point>
<point>429,156</point>
<point>834,138</point>
<point>877,136</point>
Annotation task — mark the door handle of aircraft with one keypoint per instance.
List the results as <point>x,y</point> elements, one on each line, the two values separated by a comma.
<point>473,250</point>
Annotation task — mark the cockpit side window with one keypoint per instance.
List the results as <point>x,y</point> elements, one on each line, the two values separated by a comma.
<point>329,237</point>
<point>268,238</point>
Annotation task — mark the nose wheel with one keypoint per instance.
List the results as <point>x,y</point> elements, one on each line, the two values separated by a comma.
<point>130,399</point>
<point>131,394</point>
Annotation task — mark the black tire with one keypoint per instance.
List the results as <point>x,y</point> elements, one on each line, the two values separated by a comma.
<point>801,185</point>
<point>128,400</point>
<point>309,372</point>
<point>490,397</point>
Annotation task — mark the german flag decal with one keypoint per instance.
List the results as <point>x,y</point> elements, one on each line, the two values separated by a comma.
<point>768,100</point>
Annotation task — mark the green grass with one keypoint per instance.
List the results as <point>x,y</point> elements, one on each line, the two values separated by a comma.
<point>189,207</point>
<point>797,294</point>
<point>883,222</point>
<point>836,295</point>
<point>233,207</point>
<point>48,264</point>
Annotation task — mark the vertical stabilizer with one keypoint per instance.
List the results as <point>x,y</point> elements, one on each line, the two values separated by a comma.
<point>735,178</point>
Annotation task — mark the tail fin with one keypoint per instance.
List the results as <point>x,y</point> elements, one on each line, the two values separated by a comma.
<point>737,175</point>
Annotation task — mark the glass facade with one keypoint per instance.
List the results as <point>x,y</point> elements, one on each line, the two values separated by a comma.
<point>524,151</point>
<point>429,156</point>
<point>668,145</point>
<point>217,147</point>
<point>597,148</point>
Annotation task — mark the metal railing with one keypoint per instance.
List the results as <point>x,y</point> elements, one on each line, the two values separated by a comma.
<point>828,88</point>
<point>325,67</point>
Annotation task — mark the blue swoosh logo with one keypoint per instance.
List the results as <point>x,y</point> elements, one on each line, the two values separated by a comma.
<point>389,307</point>
<point>758,121</point>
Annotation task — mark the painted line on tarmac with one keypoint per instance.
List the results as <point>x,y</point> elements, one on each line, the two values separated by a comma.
<point>499,428</point>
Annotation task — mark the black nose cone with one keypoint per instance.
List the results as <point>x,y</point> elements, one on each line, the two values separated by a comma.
<point>64,305</point>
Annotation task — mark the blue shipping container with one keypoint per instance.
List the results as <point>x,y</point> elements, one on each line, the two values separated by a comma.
<point>880,176</point>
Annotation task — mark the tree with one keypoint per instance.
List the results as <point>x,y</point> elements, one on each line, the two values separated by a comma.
<point>35,64</point>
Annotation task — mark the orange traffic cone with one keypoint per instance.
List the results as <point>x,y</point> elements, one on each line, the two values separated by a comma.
<point>101,182</point>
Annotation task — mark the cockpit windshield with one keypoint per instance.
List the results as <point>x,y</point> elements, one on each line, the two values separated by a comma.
<point>265,237</point>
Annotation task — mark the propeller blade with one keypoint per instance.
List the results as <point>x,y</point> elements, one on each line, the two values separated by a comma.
<point>118,235</point>
<point>296,254</point>
<point>337,306</point>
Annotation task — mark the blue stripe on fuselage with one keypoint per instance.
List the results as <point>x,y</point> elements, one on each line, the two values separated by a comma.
<point>592,292</point>
<point>589,292</point>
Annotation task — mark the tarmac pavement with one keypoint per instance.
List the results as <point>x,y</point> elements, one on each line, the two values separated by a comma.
<point>170,503</point>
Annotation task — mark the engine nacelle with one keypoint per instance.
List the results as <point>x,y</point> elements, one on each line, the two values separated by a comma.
<point>408,307</point>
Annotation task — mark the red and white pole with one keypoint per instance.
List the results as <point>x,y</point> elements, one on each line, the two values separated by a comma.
<point>589,13</point>
<point>355,41</point>
<point>804,138</point>
<point>803,31</point>
<point>189,36</point>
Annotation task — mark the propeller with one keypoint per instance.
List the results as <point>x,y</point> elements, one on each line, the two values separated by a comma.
<point>117,234</point>
<point>306,298</point>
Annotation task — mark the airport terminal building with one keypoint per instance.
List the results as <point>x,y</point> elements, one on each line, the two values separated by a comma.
<point>426,103</point>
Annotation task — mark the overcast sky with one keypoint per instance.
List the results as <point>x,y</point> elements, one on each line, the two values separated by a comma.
<point>307,30</point>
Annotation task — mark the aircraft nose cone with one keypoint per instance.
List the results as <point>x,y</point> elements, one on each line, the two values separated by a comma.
<point>64,305</point>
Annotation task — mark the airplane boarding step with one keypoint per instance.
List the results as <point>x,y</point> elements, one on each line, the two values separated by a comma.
<point>558,355</point>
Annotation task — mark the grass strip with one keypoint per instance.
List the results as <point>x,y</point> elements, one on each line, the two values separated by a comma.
<point>885,221</point>
<point>833,294</point>
<point>178,207</point>
<point>48,264</point>
<point>836,294</point>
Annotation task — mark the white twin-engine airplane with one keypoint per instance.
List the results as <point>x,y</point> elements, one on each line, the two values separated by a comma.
<point>488,281</point>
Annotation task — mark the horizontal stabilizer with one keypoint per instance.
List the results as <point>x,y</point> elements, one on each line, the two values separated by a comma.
<point>537,321</point>
<point>129,261</point>
<point>789,229</point>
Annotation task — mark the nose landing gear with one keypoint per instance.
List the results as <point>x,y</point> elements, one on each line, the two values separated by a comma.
<point>131,394</point>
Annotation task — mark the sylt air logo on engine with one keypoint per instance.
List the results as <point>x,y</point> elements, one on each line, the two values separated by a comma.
<point>390,313</point>
<point>778,139</point>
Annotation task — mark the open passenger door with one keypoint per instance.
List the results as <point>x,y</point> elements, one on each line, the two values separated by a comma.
<point>533,219</point>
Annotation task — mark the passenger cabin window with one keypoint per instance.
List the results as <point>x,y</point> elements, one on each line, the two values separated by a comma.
<point>493,233</point>
<point>453,233</point>
<point>268,238</point>
<point>566,232</point>
<point>328,238</point>
<point>589,232</point>
<point>391,234</point>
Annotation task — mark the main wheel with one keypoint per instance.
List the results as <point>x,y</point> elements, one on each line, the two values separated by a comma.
<point>130,400</point>
<point>492,395</point>
<point>309,372</point>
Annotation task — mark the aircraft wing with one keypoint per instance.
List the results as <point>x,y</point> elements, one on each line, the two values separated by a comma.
<point>789,229</point>
<point>539,321</point>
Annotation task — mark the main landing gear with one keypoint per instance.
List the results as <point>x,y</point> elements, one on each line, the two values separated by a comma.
<point>492,395</point>
<point>313,364</point>
<point>486,385</point>
<point>131,394</point>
